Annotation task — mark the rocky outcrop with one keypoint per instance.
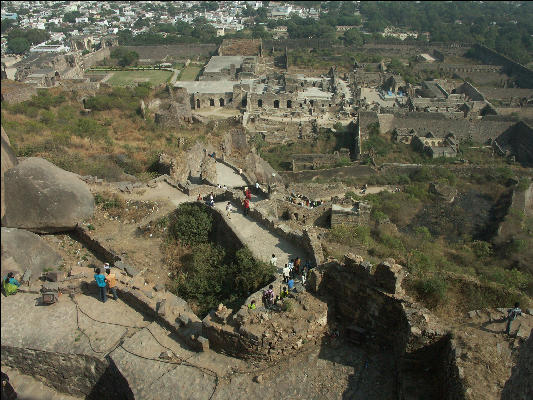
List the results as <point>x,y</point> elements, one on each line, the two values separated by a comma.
<point>261,171</point>
<point>520,385</point>
<point>23,250</point>
<point>43,198</point>
<point>9,160</point>
<point>209,171</point>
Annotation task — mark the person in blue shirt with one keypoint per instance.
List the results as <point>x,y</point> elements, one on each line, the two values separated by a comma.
<point>100,281</point>
<point>290,284</point>
<point>10,284</point>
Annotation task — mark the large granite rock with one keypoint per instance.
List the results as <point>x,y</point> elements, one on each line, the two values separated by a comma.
<point>22,250</point>
<point>44,198</point>
<point>209,171</point>
<point>9,160</point>
<point>261,170</point>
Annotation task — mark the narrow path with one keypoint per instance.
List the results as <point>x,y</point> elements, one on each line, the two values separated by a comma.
<point>227,176</point>
<point>259,240</point>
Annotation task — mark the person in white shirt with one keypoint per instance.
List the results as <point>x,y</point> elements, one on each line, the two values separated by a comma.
<point>274,260</point>
<point>286,273</point>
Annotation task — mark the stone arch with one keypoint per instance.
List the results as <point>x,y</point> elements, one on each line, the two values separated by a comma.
<point>57,75</point>
<point>289,103</point>
<point>221,102</point>
<point>260,103</point>
<point>197,103</point>
<point>276,103</point>
<point>211,102</point>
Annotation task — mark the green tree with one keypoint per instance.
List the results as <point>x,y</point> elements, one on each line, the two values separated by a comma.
<point>190,224</point>
<point>70,16</point>
<point>352,37</point>
<point>18,45</point>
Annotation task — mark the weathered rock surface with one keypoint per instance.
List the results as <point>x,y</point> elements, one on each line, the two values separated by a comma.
<point>9,160</point>
<point>22,250</point>
<point>261,170</point>
<point>209,171</point>
<point>44,198</point>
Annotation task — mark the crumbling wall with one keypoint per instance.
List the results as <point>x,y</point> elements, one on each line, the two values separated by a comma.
<point>76,374</point>
<point>371,299</point>
<point>523,74</point>
<point>520,385</point>
<point>518,139</point>
<point>173,51</point>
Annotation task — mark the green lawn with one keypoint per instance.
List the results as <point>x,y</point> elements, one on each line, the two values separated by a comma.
<point>126,78</point>
<point>190,73</point>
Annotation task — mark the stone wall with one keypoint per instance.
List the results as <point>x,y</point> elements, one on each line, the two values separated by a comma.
<point>479,130</point>
<point>523,75</point>
<point>76,374</point>
<point>95,57</point>
<point>354,171</point>
<point>371,300</point>
<point>173,51</point>
<point>518,139</point>
<point>16,92</point>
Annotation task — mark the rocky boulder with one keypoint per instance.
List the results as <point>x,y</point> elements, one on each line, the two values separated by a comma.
<point>43,198</point>
<point>261,171</point>
<point>209,171</point>
<point>9,160</point>
<point>22,250</point>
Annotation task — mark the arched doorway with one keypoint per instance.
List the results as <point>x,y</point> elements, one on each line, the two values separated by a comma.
<point>260,103</point>
<point>197,103</point>
<point>289,103</point>
<point>276,103</point>
<point>212,102</point>
<point>221,102</point>
<point>243,102</point>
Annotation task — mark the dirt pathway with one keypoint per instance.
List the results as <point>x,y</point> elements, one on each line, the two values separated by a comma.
<point>227,176</point>
<point>259,240</point>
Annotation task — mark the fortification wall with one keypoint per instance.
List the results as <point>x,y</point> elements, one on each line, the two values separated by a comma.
<point>173,51</point>
<point>353,171</point>
<point>523,75</point>
<point>91,59</point>
<point>479,130</point>
<point>76,374</point>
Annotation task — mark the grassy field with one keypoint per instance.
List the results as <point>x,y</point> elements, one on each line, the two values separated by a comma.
<point>127,78</point>
<point>190,73</point>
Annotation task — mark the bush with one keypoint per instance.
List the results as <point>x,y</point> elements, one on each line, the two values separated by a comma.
<point>432,290</point>
<point>350,235</point>
<point>482,249</point>
<point>287,305</point>
<point>190,224</point>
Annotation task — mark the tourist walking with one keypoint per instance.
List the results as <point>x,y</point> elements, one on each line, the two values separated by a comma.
<point>512,313</point>
<point>274,260</point>
<point>286,273</point>
<point>268,297</point>
<point>111,280</point>
<point>228,210</point>
<point>248,194</point>
<point>246,206</point>
<point>100,281</point>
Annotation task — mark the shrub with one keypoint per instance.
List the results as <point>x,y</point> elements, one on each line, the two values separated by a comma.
<point>482,249</point>
<point>190,224</point>
<point>350,235</point>
<point>287,305</point>
<point>432,290</point>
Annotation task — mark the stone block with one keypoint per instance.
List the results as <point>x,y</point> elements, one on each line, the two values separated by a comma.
<point>314,280</point>
<point>50,287</point>
<point>120,265</point>
<point>159,287</point>
<point>148,293</point>
<point>162,308</point>
<point>26,277</point>
<point>389,276</point>
<point>184,320</point>
<point>203,343</point>
<point>56,276</point>
<point>131,271</point>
